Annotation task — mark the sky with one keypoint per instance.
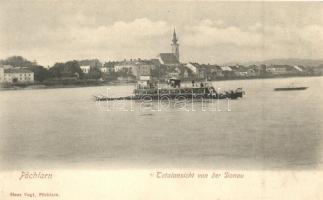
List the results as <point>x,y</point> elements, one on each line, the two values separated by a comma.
<point>208,32</point>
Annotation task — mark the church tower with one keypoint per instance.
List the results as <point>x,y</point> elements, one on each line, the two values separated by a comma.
<point>175,45</point>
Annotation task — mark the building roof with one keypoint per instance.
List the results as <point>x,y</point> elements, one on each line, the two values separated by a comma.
<point>279,66</point>
<point>197,65</point>
<point>17,70</point>
<point>298,68</point>
<point>226,68</point>
<point>135,62</point>
<point>6,66</point>
<point>168,58</point>
<point>206,66</point>
<point>194,64</point>
<point>85,66</point>
<point>241,69</point>
<point>155,61</point>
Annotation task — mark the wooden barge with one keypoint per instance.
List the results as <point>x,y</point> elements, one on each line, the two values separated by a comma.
<point>149,91</point>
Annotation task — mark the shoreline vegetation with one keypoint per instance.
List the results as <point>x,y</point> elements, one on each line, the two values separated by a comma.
<point>92,83</point>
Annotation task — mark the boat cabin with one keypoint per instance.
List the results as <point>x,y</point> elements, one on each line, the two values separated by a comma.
<point>146,82</point>
<point>174,83</point>
<point>173,87</point>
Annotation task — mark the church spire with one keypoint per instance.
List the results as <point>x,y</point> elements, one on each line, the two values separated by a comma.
<point>175,45</point>
<point>174,37</point>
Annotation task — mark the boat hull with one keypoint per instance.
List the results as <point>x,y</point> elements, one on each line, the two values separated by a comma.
<point>288,89</point>
<point>232,95</point>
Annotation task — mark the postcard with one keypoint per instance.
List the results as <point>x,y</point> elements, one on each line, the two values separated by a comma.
<point>161,100</point>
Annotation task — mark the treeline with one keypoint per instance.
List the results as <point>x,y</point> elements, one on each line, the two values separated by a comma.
<point>59,71</point>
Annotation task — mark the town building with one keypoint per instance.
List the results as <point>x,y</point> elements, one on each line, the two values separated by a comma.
<point>241,72</point>
<point>1,74</point>
<point>284,70</point>
<point>204,71</point>
<point>227,71</point>
<point>316,71</point>
<point>256,70</point>
<point>85,68</point>
<point>252,72</point>
<point>198,69</point>
<point>297,70</point>
<point>106,70</point>
<point>192,66</point>
<point>216,72</point>
<point>137,67</point>
<point>226,68</point>
<point>10,74</point>
<point>277,69</point>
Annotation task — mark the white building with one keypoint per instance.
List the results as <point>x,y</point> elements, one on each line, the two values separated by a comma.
<point>104,69</point>
<point>85,68</point>
<point>192,67</point>
<point>1,74</point>
<point>16,75</point>
<point>277,70</point>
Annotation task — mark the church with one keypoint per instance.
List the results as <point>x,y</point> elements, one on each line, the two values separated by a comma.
<point>171,59</point>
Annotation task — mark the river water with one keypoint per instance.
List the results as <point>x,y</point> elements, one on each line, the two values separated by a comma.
<point>66,128</point>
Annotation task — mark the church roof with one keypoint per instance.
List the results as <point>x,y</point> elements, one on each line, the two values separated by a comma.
<point>168,58</point>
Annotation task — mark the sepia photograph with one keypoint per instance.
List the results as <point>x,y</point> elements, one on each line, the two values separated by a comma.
<point>169,87</point>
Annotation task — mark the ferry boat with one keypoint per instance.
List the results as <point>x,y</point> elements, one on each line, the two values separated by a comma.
<point>150,90</point>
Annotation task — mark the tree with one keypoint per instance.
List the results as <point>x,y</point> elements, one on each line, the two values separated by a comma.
<point>56,70</point>
<point>94,73</point>
<point>73,68</point>
<point>110,64</point>
<point>68,69</point>
<point>17,61</point>
<point>40,73</point>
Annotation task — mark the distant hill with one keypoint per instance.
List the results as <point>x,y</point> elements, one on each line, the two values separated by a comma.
<point>288,61</point>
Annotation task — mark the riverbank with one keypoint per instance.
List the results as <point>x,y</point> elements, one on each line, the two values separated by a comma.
<point>54,85</point>
<point>92,83</point>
